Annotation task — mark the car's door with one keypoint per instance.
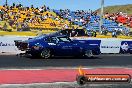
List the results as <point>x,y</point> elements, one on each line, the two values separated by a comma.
<point>76,48</point>
<point>60,48</point>
<point>63,47</point>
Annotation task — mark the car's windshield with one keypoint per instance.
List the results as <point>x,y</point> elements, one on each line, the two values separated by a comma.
<point>50,39</point>
<point>40,36</point>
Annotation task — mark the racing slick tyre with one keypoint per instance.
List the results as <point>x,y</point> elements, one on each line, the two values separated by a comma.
<point>45,54</point>
<point>81,80</point>
<point>89,53</point>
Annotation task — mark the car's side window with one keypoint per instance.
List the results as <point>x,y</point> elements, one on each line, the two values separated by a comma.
<point>63,39</point>
<point>51,40</point>
<point>46,39</point>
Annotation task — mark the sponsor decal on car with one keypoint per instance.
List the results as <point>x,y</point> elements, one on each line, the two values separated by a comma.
<point>51,43</point>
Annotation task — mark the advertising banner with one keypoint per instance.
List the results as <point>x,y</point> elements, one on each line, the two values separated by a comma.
<point>110,46</point>
<point>7,44</point>
<point>126,47</point>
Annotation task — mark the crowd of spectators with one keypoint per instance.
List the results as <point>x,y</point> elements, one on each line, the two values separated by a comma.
<point>114,23</point>
<point>121,18</point>
<point>23,18</point>
<point>19,16</point>
<point>79,17</point>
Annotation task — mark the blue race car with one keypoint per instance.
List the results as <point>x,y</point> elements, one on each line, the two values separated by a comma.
<point>46,46</point>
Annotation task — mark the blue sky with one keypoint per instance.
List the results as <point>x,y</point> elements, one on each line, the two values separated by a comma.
<point>70,4</point>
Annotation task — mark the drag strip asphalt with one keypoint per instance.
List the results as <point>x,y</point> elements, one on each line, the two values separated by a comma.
<point>13,61</point>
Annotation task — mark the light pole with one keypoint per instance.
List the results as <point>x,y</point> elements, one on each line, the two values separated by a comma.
<point>101,15</point>
<point>6,3</point>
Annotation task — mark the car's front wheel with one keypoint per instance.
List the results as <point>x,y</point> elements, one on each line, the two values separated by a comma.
<point>89,53</point>
<point>45,53</point>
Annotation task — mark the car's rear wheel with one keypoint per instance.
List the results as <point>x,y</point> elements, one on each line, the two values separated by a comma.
<point>45,53</point>
<point>89,53</point>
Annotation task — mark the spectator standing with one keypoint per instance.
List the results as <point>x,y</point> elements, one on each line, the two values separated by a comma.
<point>73,32</point>
<point>5,27</point>
<point>94,33</point>
<point>114,34</point>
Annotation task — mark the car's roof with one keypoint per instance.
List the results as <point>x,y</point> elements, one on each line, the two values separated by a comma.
<point>56,34</point>
<point>61,36</point>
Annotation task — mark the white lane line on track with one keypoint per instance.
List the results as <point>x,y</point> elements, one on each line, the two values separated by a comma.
<point>67,68</point>
<point>38,83</point>
<point>54,83</point>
